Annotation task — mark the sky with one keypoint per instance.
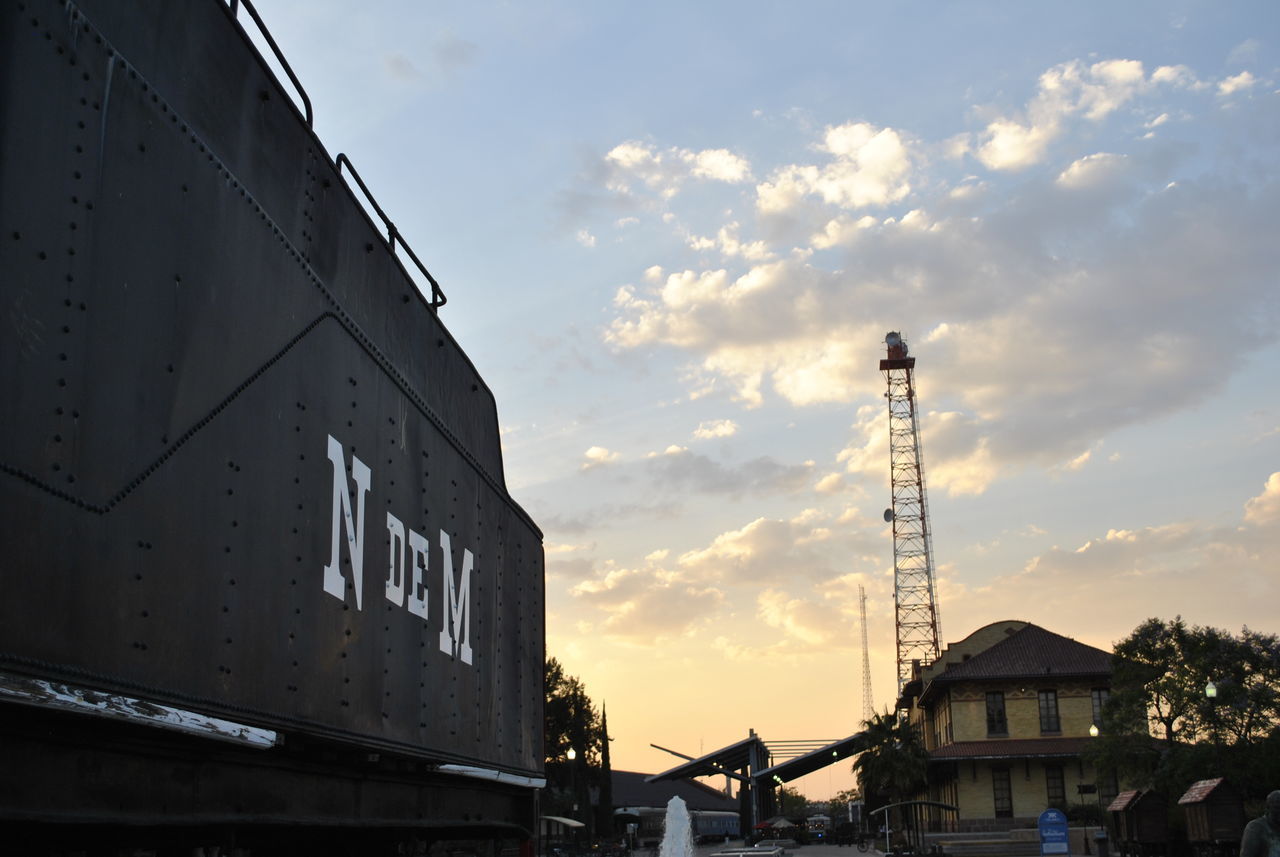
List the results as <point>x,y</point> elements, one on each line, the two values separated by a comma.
<point>674,235</point>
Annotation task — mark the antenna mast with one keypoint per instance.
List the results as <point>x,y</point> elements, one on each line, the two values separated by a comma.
<point>868,707</point>
<point>916,613</point>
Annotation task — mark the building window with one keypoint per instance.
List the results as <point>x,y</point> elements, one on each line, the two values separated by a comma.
<point>1055,787</point>
<point>1002,792</point>
<point>1100,695</point>
<point>1049,721</point>
<point>997,724</point>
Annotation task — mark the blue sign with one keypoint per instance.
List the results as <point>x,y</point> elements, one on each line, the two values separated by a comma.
<point>1053,832</point>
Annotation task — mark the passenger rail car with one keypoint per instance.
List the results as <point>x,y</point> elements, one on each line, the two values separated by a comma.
<point>263,584</point>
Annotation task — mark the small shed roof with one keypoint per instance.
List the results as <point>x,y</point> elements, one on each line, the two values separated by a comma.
<point>1201,790</point>
<point>1124,800</point>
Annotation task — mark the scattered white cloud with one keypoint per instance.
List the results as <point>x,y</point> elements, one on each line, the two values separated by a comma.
<point>718,164</point>
<point>648,604</point>
<point>760,550</point>
<point>870,166</point>
<point>597,456</point>
<point>830,484</point>
<point>1068,90</point>
<point>585,238</point>
<point>681,471</point>
<point>1265,508</point>
<point>715,428</point>
<point>1236,83</point>
<point>664,171</point>
<point>1092,170</point>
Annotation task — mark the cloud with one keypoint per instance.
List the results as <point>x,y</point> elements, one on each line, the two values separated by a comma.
<point>830,484</point>
<point>1154,567</point>
<point>1236,83</point>
<point>401,67</point>
<point>601,516</point>
<point>1265,508</point>
<point>763,550</point>
<point>715,428</point>
<point>729,245</point>
<point>585,238</point>
<point>664,171</point>
<point>450,53</point>
<point>647,604</point>
<point>679,470</point>
<point>1244,53</point>
<point>1091,171</point>
<point>717,164</point>
<point>597,456</point>
<point>870,166</point>
<point>1065,91</point>
<point>801,619</point>
<point>1104,262</point>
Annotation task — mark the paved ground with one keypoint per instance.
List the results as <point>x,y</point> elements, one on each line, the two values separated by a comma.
<point>798,850</point>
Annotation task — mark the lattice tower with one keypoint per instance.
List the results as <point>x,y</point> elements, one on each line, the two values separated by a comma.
<point>868,706</point>
<point>915,605</point>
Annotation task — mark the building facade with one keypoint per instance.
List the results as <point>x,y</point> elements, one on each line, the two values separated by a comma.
<point>1005,715</point>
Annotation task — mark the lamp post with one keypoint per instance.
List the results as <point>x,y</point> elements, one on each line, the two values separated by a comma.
<point>1211,694</point>
<point>1097,793</point>
<point>573,789</point>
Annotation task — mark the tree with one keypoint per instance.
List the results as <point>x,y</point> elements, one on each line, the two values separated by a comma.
<point>570,721</point>
<point>838,806</point>
<point>1161,730</point>
<point>893,766</point>
<point>605,809</point>
<point>791,801</point>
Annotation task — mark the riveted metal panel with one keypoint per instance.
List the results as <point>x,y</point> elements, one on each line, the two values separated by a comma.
<point>197,313</point>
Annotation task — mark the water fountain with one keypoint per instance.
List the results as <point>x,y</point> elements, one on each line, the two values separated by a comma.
<point>677,831</point>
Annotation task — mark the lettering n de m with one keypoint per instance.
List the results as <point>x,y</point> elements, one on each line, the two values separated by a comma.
<point>343,521</point>
<point>455,636</point>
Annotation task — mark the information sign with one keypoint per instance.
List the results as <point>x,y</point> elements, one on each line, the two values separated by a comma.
<point>1053,833</point>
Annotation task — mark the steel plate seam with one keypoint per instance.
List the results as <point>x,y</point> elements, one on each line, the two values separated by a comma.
<point>347,321</point>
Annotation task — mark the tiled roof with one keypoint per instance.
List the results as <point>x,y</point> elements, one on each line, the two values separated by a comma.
<point>1200,790</point>
<point>1124,800</point>
<point>1031,652</point>
<point>630,789</point>
<point>1011,748</point>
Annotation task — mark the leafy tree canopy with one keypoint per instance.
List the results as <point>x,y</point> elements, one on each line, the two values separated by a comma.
<point>1160,729</point>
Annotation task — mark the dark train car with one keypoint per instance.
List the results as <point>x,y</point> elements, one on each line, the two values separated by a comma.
<point>263,585</point>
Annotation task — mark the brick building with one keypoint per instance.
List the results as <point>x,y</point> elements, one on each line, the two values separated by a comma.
<point>1005,714</point>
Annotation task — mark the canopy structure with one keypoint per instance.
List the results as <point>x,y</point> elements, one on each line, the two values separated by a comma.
<point>815,760</point>
<point>745,762</point>
<point>559,819</point>
<point>745,755</point>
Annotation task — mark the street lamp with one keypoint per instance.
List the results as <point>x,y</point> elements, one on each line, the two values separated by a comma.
<point>1211,690</point>
<point>573,791</point>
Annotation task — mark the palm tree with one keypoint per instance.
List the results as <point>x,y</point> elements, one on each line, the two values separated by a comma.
<point>894,762</point>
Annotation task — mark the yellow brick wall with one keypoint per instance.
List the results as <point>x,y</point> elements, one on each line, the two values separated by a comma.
<point>976,795</point>
<point>1022,709</point>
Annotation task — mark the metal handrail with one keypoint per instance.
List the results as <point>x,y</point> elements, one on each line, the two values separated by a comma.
<point>438,298</point>
<point>275,49</point>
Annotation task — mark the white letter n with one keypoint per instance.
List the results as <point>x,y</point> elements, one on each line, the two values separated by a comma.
<point>455,636</point>
<point>333,580</point>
